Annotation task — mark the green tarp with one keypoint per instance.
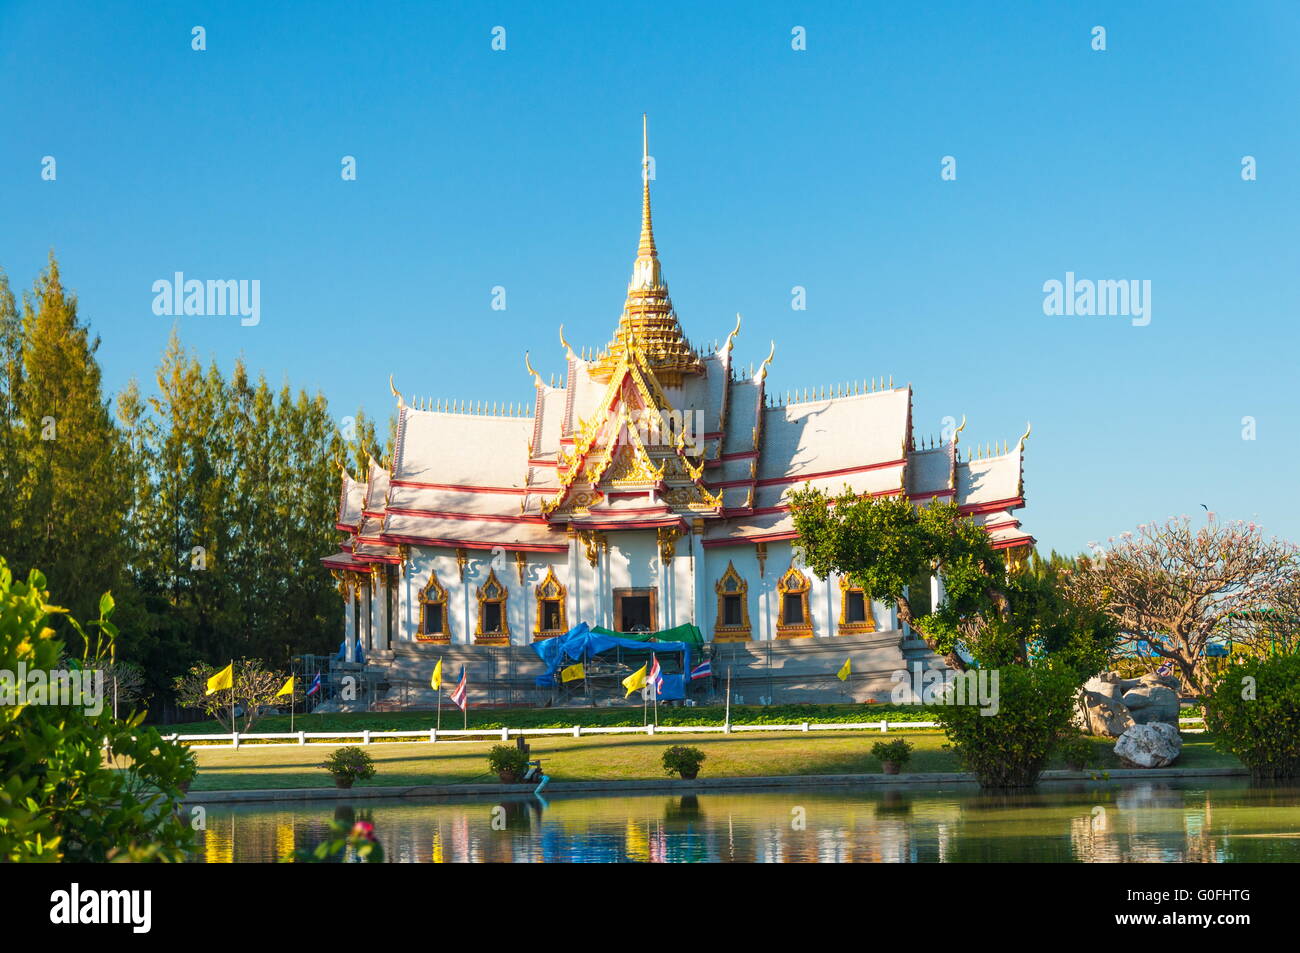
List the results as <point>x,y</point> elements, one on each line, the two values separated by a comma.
<point>687,633</point>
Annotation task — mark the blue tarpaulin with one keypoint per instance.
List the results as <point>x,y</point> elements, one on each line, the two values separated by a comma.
<point>581,643</point>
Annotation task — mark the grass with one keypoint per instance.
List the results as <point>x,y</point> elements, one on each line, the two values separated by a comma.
<point>614,758</point>
<point>567,717</point>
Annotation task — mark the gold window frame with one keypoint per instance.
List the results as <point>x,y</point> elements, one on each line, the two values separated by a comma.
<point>433,593</point>
<point>732,633</point>
<point>855,628</point>
<point>550,589</point>
<point>793,583</point>
<point>492,591</point>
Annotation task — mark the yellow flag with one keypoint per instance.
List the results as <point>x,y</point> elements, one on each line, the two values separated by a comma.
<point>634,681</point>
<point>436,681</point>
<point>572,673</point>
<point>223,679</point>
<point>287,689</point>
<point>843,673</point>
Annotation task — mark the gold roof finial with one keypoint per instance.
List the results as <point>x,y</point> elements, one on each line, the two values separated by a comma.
<point>400,403</point>
<point>537,378</point>
<point>646,248</point>
<point>1020,445</point>
<point>732,336</point>
<point>568,351</point>
<point>762,371</point>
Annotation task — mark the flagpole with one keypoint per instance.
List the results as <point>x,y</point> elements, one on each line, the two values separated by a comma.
<point>727,718</point>
<point>233,729</point>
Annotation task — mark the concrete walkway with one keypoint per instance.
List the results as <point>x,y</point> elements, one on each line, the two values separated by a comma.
<point>678,786</point>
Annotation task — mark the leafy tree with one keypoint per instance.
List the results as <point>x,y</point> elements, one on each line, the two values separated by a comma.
<point>998,614</point>
<point>255,687</point>
<point>63,493</point>
<point>1179,587</point>
<point>1012,619</point>
<point>59,801</point>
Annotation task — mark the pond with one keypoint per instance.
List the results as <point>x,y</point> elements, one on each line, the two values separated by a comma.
<point>1214,820</point>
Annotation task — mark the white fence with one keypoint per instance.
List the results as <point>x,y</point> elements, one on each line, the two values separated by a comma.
<point>576,731</point>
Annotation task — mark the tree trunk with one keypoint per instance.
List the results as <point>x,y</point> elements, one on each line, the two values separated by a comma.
<point>951,659</point>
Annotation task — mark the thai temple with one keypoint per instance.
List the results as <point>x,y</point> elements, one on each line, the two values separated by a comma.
<point>645,490</point>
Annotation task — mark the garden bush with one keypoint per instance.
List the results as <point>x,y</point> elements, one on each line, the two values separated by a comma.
<point>1254,712</point>
<point>1008,749</point>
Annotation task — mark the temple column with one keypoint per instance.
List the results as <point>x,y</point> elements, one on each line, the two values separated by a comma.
<point>381,594</point>
<point>699,594</point>
<point>575,585</point>
<point>349,618</point>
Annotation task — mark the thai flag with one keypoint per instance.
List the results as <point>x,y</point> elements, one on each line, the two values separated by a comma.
<point>656,676</point>
<point>460,694</point>
<point>315,685</point>
<point>703,670</point>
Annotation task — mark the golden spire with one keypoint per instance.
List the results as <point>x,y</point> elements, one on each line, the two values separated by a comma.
<point>646,249</point>
<point>649,323</point>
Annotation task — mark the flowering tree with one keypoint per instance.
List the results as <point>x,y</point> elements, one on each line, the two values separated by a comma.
<point>1178,587</point>
<point>255,688</point>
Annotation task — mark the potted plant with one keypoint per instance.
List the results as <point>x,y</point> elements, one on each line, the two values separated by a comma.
<point>893,755</point>
<point>348,765</point>
<point>1077,751</point>
<point>683,761</point>
<point>508,763</point>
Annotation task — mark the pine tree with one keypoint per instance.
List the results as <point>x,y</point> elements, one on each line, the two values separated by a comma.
<point>68,502</point>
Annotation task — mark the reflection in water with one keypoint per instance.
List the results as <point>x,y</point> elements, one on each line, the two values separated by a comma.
<point>1203,821</point>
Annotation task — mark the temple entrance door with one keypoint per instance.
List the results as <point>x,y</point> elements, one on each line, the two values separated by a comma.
<point>634,610</point>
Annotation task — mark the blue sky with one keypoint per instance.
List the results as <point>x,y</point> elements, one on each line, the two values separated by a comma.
<point>775,168</point>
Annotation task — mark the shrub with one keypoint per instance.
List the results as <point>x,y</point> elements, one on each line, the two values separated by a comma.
<point>349,764</point>
<point>1254,712</point>
<point>1077,750</point>
<point>1009,748</point>
<point>682,760</point>
<point>897,752</point>
<point>59,800</point>
<point>507,761</point>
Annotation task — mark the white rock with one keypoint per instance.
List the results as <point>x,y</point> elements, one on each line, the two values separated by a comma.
<point>1154,745</point>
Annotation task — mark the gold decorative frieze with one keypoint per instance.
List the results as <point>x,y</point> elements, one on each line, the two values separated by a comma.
<point>668,543</point>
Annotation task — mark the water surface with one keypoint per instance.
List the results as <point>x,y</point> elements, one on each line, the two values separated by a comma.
<point>1215,820</point>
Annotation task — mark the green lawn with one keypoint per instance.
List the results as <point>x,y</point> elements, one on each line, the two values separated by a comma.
<point>612,757</point>
<point>567,717</point>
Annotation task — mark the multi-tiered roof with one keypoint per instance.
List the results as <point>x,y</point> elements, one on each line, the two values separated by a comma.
<point>653,433</point>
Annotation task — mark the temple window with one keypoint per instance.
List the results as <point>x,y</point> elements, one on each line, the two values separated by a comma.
<point>732,624</point>
<point>855,610</point>
<point>551,613</point>
<point>794,620</point>
<point>434,624</point>
<point>493,623</point>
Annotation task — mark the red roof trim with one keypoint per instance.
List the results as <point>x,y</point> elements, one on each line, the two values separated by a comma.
<point>1014,502</point>
<point>461,488</point>
<point>476,544</point>
<point>826,474</point>
<point>484,517</point>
